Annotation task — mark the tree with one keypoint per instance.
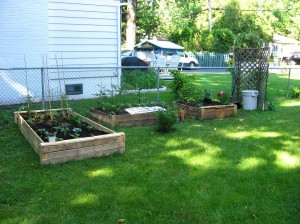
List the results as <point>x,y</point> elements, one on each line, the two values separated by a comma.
<point>222,40</point>
<point>131,25</point>
<point>186,22</point>
<point>147,19</point>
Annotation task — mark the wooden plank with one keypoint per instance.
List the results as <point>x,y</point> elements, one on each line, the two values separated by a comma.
<point>73,148</point>
<point>209,112</point>
<point>81,142</point>
<point>124,120</point>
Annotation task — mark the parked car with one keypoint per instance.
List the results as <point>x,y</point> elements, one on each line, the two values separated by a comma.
<point>188,62</point>
<point>126,53</point>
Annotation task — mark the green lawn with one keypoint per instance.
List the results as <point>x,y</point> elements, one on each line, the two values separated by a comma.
<point>242,169</point>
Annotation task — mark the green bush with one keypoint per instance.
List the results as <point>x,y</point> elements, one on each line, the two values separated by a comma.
<point>166,119</point>
<point>137,79</point>
<point>184,88</point>
<point>295,92</point>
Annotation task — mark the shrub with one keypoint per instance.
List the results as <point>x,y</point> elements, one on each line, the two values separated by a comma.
<point>138,79</point>
<point>295,92</point>
<point>166,119</point>
<point>223,97</point>
<point>184,88</point>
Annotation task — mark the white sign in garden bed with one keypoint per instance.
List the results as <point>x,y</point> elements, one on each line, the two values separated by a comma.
<point>141,110</point>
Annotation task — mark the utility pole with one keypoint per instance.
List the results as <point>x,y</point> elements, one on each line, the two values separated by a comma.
<point>209,15</point>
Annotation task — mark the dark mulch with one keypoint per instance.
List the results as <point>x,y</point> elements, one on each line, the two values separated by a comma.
<point>64,127</point>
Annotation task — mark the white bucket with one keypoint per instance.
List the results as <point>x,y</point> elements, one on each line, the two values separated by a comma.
<point>250,99</point>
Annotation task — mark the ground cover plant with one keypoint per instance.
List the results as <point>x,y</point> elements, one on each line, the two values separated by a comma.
<point>243,169</point>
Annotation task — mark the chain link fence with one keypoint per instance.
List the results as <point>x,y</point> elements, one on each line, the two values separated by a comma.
<point>133,85</point>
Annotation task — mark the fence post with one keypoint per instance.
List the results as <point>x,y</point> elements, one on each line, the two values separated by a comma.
<point>158,84</point>
<point>288,87</point>
<point>43,88</point>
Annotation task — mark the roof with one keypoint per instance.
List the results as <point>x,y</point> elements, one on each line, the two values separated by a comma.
<point>284,40</point>
<point>157,43</point>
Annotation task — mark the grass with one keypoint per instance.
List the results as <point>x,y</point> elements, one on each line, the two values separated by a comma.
<point>242,169</point>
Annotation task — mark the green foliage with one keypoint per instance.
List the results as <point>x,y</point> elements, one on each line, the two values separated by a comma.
<point>184,89</point>
<point>77,121</point>
<point>207,95</point>
<point>109,108</point>
<point>295,92</point>
<point>166,120</point>
<point>222,40</point>
<point>178,82</point>
<point>249,40</point>
<point>223,97</point>
<point>137,79</point>
<point>185,22</point>
<point>185,176</point>
<point>148,21</point>
<point>270,106</point>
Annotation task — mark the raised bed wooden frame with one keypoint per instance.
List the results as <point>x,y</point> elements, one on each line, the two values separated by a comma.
<point>124,120</point>
<point>208,112</point>
<point>73,149</point>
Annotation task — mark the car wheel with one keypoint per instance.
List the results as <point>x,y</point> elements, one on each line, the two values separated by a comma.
<point>192,65</point>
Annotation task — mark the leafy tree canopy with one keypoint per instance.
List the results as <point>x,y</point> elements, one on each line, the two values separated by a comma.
<point>186,22</point>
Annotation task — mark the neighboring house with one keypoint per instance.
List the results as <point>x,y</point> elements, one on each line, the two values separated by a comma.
<point>72,33</point>
<point>282,47</point>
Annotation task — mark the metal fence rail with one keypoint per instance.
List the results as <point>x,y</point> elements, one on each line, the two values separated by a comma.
<point>210,59</point>
<point>40,85</point>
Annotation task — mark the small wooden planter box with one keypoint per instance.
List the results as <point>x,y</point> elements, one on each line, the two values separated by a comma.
<point>208,112</point>
<point>73,149</point>
<point>124,120</point>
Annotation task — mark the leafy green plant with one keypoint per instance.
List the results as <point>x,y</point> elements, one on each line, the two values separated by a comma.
<point>295,92</point>
<point>223,97</point>
<point>166,119</point>
<point>271,106</point>
<point>138,80</point>
<point>77,121</point>
<point>109,108</point>
<point>207,95</point>
<point>184,88</point>
<point>76,132</point>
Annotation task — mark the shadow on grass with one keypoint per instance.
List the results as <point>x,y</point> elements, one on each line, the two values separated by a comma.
<point>241,169</point>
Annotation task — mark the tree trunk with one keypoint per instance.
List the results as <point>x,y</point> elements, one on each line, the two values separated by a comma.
<point>131,25</point>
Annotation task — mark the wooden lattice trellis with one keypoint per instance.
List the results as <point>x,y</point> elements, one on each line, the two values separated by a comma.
<point>251,69</point>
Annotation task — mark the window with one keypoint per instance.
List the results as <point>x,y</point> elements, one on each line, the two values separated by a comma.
<point>74,89</point>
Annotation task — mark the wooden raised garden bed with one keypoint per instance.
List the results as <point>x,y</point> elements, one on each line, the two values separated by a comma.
<point>208,112</point>
<point>124,120</point>
<point>71,149</point>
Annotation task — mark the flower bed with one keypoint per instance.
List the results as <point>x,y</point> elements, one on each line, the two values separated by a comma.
<point>106,143</point>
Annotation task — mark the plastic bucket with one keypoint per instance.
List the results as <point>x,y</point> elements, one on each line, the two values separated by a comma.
<point>250,99</point>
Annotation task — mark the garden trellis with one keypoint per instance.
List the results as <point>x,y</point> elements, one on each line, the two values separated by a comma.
<point>251,69</point>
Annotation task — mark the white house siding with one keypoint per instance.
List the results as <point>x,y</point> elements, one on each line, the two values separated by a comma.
<point>72,33</point>
<point>84,33</point>
<point>23,32</point>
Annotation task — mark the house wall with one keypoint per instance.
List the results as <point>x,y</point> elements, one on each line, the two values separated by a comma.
<point>84,33</point>
<point>24,32</point>
<point>68,33</point>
